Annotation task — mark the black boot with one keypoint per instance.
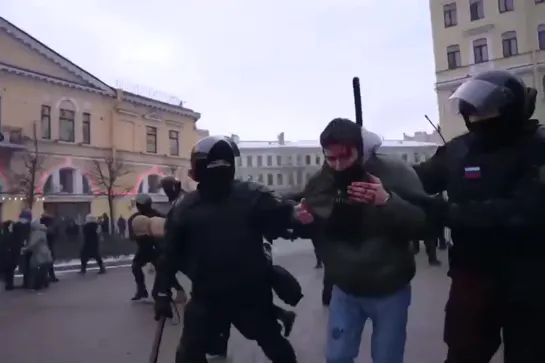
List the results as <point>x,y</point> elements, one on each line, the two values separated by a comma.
<point>141,293</point>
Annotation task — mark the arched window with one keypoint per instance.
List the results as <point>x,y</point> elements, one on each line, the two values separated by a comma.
<point>510,44</point>
<point>151,184</point>
<point>67,181</point>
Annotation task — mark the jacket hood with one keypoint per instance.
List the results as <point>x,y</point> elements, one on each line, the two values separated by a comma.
<point>371,143</point>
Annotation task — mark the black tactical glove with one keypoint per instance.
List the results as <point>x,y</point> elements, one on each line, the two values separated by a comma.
<point>163,306</point>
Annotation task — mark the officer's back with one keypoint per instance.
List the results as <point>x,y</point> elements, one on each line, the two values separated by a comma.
<point>223,238</point>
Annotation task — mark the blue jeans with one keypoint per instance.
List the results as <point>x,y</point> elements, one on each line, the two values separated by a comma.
<point>347,317</point>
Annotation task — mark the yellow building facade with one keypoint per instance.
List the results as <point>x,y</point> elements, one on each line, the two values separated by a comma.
<point>470,36</point>
<point>89,137</point>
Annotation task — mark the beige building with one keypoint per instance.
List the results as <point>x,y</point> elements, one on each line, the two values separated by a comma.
<point>470,36</point>
<point>89,137</point>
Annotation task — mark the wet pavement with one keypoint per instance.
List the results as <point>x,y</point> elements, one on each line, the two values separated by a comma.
<point>90,318</point>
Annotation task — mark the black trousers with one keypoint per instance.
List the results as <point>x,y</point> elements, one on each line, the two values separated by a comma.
<point>478,318</point>
<point>90,251</point>
<point>51,270</point>
<point>327,288</point>
<point>8,274</point>
<point>249,309</point>
<point>430,244</point>
<point>141,258</point>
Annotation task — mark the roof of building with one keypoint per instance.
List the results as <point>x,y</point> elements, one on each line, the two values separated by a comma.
<point>90,80</point>
<point>315,144</point>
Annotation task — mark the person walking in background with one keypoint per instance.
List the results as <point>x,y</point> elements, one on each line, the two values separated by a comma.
<point>48,221</point>
<point>41,259</point>
<point>105,225</point>
<point>10,252</point>
<point>91,241</point>
<point>121,226</point>
<point>21,232</point>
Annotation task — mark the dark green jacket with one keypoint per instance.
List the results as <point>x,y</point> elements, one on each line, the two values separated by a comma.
<point>383,262</point>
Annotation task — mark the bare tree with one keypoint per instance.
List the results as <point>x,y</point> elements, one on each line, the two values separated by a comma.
<point>26,181</point>
<point>107,173</point>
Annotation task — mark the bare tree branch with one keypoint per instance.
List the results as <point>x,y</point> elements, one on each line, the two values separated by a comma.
<point>107,173</point>
<point>26,181</point>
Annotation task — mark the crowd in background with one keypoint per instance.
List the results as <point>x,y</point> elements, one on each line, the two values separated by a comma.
<point>28,245</point>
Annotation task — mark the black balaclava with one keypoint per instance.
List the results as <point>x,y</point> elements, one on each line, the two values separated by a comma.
<point>217,181</point>
<point>143,204</point>
<point>344,132</point>
<point>504,128</point>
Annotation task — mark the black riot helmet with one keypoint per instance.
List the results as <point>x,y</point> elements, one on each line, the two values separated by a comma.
<point>213,160</point>
<point>143,203</point>
<point>494,103</point>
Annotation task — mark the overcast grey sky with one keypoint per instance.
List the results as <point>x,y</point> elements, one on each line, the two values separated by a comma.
<point>254,67</point>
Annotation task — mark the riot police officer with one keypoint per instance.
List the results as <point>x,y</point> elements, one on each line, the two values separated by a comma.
<point>147,247</point>
<point>215,235</point>
<point>495,179</point>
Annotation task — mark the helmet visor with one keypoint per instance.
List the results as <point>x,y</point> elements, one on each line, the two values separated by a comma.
<point>480,98</point>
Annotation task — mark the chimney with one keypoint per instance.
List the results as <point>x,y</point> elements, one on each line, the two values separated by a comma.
<point>281,140</point>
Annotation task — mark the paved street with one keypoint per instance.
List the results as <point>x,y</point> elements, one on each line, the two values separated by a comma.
<point>90,319</point>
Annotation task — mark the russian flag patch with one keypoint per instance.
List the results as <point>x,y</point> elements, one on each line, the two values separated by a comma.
<point>472,172</point>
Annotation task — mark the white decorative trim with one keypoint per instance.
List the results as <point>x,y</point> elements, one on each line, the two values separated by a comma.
<point>456,82</point>
<point>51,80</point>
<point>174,123</point>
<point>177,110</point>
<point>126,112</point>
<point>68,99</point>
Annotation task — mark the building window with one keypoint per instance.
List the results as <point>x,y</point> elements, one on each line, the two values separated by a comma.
<point>318,160</point>
<point>66,180</point>
<point>299,160</point>
<point>269,160</point>
<point>450,15</point>
<point>279,179</point>
<point>308,159</point>
<point>476,9</point>
<point>259,161</point>
<point>405,157</point>
<point>86,128</point>
<point>278,160</point>
<point>151,139</point>
<point>260,178</point>
<point>67,125</point>
<point>543,83</point>
<point>291,179</point>
<point>45,122</point>
<point>506,5</point>
<point>174,142</point>
<point>541,36</point>
<point>249,161</point>
<point>270,180</point>
<point>480,50</point>
<point>509,43</point>
<point>454,58</point>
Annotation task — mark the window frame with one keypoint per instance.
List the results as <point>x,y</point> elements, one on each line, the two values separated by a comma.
<point>174,136</point>
<point>45,117</point>
<point>450,12</point>
<point>503,6</point>
<point>509,41</point>
<point>480,46</point>
<point>71,121</point>
<point>454,50</point>
<point>86,128</point>
<point>151,132</point>
<point>474,13</point>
